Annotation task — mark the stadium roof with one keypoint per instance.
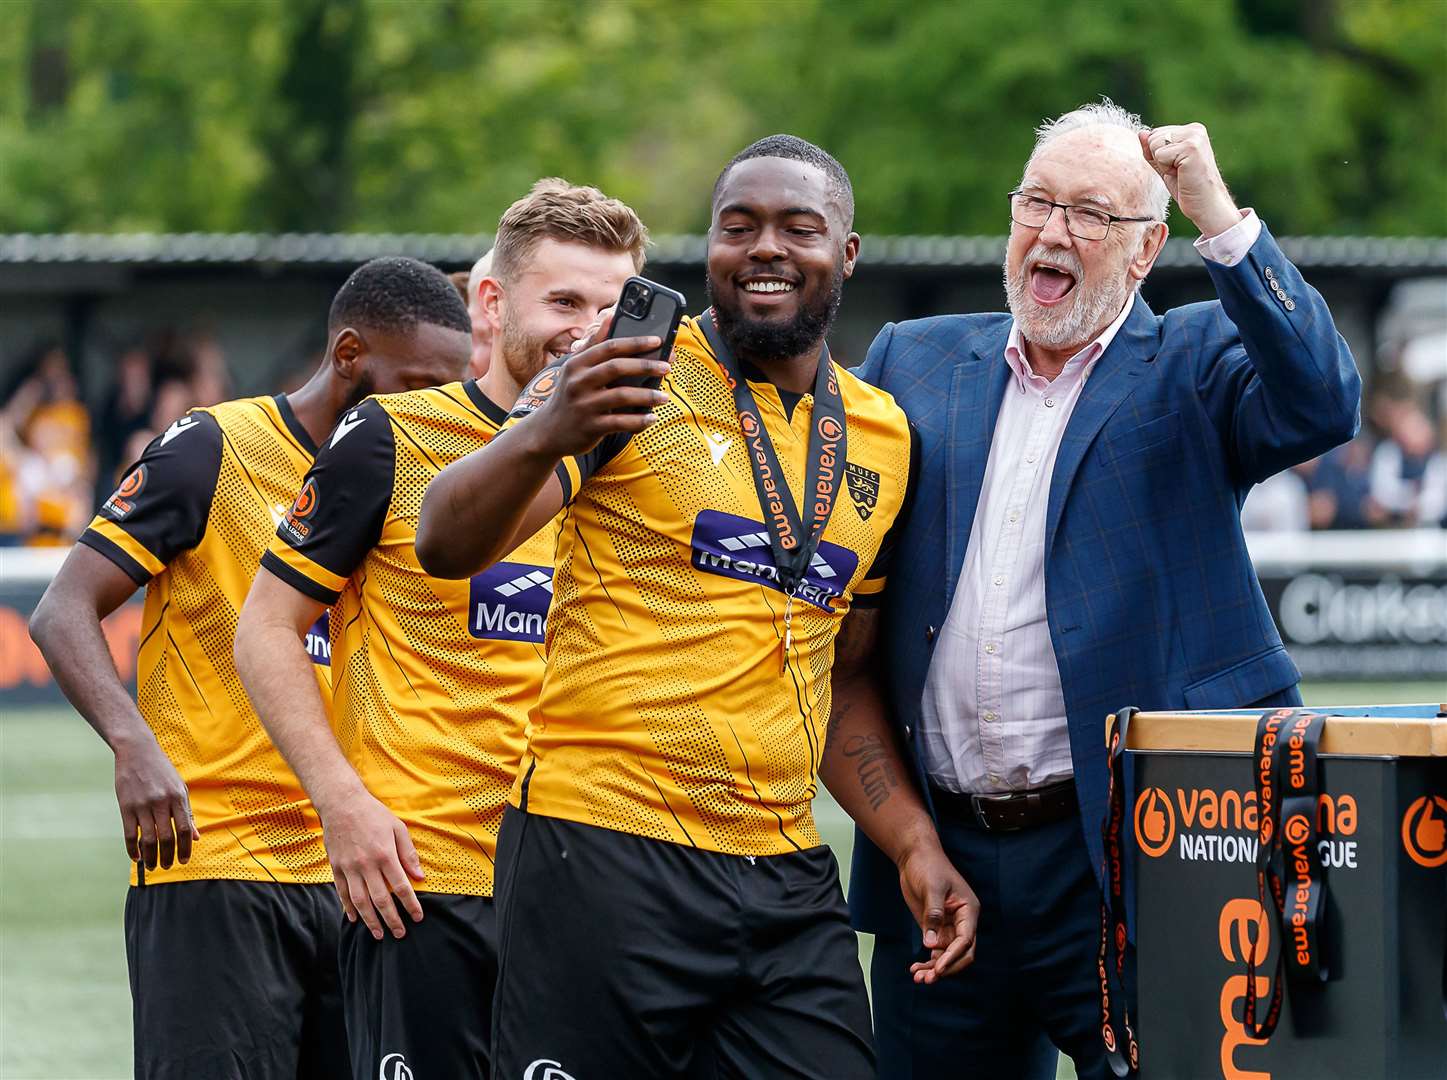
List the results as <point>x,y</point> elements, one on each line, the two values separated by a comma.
<point>347,249</point>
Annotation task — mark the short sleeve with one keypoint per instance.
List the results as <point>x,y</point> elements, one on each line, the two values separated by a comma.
<point>161,506</point>
<point>572,472</point>
<point>339,513</point>
<point>871,589</point>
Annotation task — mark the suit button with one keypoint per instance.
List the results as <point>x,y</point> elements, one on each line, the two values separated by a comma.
<point>1270,274</point>
<point>1289,304</point>
<point>908,732</point>
<point>929,633</point>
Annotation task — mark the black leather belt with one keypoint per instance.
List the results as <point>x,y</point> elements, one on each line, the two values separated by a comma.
<point>1008,813</point>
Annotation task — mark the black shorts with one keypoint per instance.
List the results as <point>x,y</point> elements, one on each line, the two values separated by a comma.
<point>422,1005</point>
<point>235,980</point>
<point>621,956</point>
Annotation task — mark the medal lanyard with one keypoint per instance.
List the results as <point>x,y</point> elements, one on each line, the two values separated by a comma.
<point>792,538</point>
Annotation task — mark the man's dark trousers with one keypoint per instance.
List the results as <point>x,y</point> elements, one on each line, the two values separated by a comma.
<point>1031,987</point>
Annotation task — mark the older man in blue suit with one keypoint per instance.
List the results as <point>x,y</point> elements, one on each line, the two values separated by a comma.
<point>1075,546</point>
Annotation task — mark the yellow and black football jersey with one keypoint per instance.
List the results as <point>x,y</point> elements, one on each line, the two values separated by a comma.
<point>666,710</point>
<point>433,679</point>
<point>190,522</point>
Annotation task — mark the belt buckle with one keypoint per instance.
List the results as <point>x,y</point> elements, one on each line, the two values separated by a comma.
<point>978,803</point>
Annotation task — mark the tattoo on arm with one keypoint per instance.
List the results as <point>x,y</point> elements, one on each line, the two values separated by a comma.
<point>877,776</point>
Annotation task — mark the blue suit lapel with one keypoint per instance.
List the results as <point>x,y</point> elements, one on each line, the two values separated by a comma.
<point>1114,378</point>
<point>976,388</point>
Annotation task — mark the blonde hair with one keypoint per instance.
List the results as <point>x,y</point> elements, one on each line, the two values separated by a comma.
<point>557,210</point>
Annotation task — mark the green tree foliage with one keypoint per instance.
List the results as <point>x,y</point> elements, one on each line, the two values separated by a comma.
<point>1329,116</point>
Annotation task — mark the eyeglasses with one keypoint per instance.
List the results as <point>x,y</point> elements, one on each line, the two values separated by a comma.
<point>1084,222</point>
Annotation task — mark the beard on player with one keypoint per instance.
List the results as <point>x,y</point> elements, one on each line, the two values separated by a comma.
<point>768,339</point>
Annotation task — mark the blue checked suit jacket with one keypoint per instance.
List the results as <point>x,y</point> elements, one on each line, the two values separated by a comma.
<point>1150,594</point>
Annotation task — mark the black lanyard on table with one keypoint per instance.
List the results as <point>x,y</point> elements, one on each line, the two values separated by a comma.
<point>792,538</point>
<point>1115,958</point>
<point>1286,797</point>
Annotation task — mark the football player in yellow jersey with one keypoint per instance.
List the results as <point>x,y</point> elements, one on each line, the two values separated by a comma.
<point>231,926</point>
<point>668,908</point>
<point>434,678</point>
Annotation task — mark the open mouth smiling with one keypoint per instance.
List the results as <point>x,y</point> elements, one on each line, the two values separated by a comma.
<point>1050,283</point>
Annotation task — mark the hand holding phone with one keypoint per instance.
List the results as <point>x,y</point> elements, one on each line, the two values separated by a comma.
<point>647,309</point>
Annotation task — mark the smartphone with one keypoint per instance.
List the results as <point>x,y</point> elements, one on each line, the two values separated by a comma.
<point>647,309</point>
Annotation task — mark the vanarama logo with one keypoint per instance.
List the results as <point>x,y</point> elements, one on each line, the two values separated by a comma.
<point>538,391</point>
<point>1205,825</point>
<point>769,484</point>
<point>304,507</point>
<point>123,500</point>
<point>1155,822</point>
<point>827,482</point>
<point>1424,831</point>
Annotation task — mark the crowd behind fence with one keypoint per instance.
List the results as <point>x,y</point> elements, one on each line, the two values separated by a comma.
<point>60,454</point>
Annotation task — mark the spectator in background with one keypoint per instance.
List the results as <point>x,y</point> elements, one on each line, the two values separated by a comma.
<point>1338,487</point>
<point>1279,503</point>
<point>1401,469</point>
<point>127,410</point>
<point>45,483</point>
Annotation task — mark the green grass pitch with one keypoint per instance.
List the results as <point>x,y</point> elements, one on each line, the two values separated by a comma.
<point>64,998</point>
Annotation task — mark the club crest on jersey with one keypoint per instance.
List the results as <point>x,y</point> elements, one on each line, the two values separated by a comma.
<point>304,507</point>
<point>509,602</point>
<point>123,499</point>
<point>737,547</point>
<point>863,487</point>
<point>319,641</point>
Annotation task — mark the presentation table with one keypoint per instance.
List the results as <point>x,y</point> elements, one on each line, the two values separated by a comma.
<point>1382,838</point>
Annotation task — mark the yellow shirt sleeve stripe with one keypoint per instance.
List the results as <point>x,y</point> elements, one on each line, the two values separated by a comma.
<point>128,544</point>
<point>288,556</point>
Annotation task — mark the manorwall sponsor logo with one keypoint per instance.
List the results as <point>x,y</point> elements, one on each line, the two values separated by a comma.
<point>123,500</point>
<point>304,506</point>
<point>1205,825</point>
<point>863,487</point>
<point>319,641</point>
<point>1424,831</point>
<point>738,547</point>
<point>509,602</point>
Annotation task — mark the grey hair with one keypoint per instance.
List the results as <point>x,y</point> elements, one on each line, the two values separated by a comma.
<point>1104,113</point>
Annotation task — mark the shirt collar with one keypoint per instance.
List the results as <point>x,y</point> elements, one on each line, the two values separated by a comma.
<point>1082,362</point>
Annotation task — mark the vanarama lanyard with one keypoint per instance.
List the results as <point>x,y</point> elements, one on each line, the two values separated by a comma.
<point>1286,798</point>
<point>793,540</point>
<point>1115,958</point>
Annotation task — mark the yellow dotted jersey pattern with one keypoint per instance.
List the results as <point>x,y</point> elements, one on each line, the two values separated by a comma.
<point>433,678</point>
<point>664,712</point>
<point>256,823</point>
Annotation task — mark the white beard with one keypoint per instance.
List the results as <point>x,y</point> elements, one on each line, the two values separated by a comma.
<point>1089,310</point>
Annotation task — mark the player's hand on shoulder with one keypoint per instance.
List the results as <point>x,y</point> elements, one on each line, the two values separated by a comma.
<point>573,406</point>
<point>155,806</point>
<point>372,861</point>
